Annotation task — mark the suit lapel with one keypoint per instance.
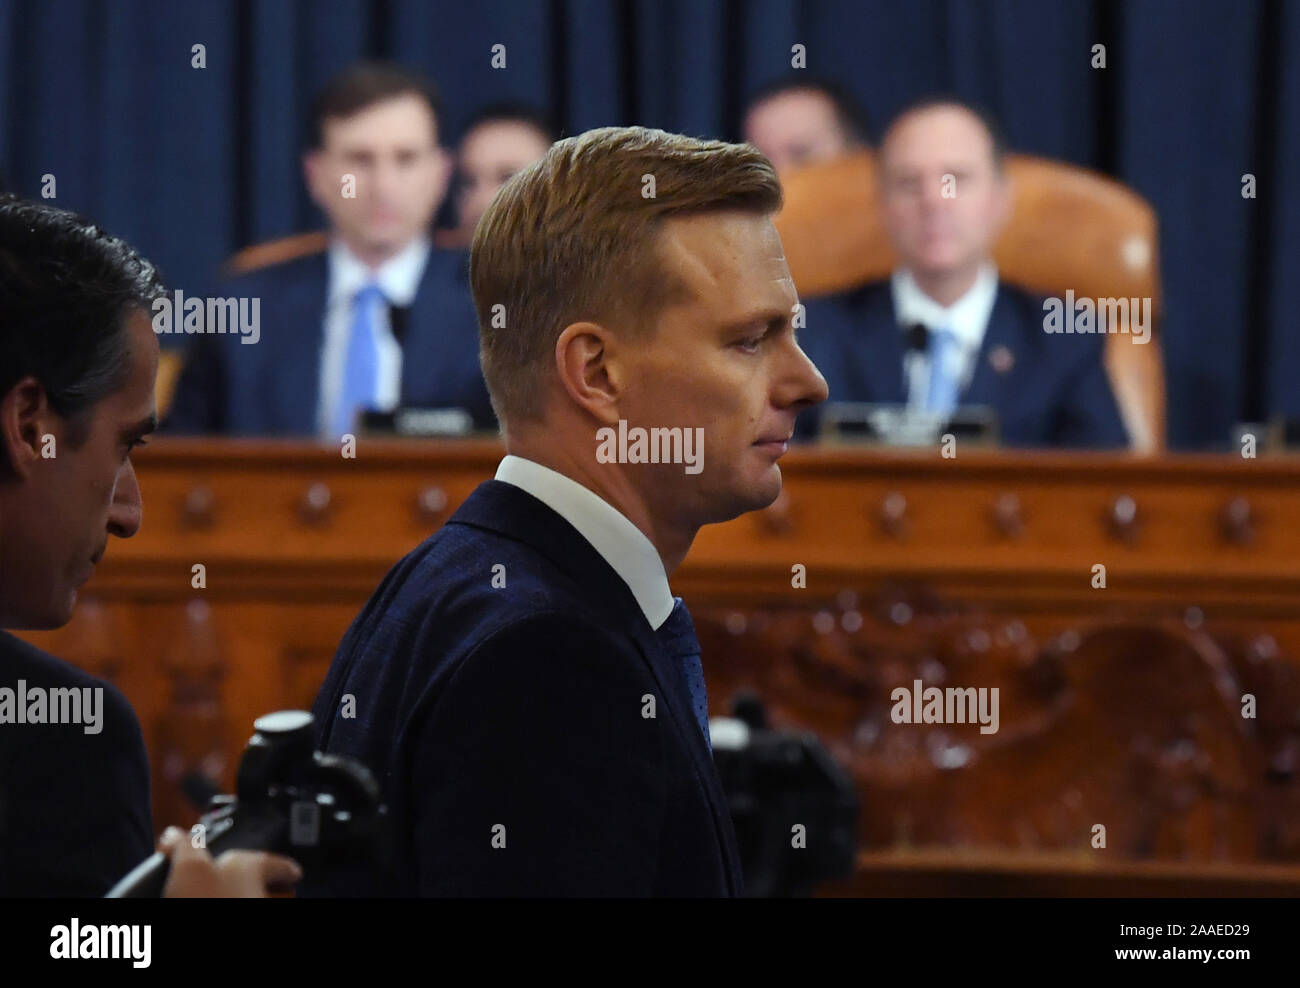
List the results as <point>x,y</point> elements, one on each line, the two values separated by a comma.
<point>992,379</point>
<point>516,514</point>
<point>673,689</point>
<point>297,329</point>
<point>879,349</point>
<point>421,340</point>
<point>441,338</point>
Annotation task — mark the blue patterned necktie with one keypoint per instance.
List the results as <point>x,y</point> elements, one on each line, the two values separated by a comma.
<point>677,635</point>
<point>942,394</point>
<point>361,362</point>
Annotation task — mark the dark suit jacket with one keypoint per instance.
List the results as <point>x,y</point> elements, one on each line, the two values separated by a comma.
<point>1055,394</point>
<point>272,387</point>
<point>523,706</point>
<point>74,807</point>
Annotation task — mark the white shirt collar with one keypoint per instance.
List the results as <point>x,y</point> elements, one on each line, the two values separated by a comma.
<point>620,543</point>
<point>399,276</point>
<point>966,318</point>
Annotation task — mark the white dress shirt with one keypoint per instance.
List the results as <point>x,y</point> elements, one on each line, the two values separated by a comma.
<point>625,547</point>
<point>399,279</point>
<point>967,319</point>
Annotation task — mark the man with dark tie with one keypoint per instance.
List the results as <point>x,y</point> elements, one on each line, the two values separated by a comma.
<point>944,331</point>
<point>381,318</point>
<point>524,682</point>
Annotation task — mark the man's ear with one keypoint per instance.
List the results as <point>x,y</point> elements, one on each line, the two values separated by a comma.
<point>586,360</point>
<point>444,168</point>
<point>446,163</point>
<point>1005,193</point>
<point>313,166</point>
<point>25,418</point>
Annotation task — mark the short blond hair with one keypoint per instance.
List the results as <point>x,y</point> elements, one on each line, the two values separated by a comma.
<point>573,236</point>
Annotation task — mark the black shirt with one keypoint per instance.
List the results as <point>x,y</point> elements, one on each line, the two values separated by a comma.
<point>74,807</point>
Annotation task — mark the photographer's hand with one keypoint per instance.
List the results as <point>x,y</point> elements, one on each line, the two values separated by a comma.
<point>235,874</point>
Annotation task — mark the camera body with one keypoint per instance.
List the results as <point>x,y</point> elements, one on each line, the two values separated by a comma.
<point>794,808</point>
<point>321,810</point>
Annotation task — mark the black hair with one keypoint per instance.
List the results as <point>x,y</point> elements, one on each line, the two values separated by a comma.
<point>65,288</point>
<point>511,112</point>
<point>363,85</point>
<point>980,112</point>
<point>850,114</point>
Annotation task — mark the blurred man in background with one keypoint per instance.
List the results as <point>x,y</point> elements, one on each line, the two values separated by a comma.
<point>803,121</point>
<point>943,331</point>
<point>499,141</point>
<point>78,358</point>
<point>381,318</point>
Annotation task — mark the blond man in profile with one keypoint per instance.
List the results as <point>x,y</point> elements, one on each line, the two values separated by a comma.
<point>525,682</point>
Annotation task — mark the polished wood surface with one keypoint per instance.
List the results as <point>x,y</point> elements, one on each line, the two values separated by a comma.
<point>873,566</point>
<point>948,873</point>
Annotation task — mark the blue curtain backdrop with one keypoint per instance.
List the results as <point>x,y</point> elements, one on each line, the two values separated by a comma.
<point>191,164</point>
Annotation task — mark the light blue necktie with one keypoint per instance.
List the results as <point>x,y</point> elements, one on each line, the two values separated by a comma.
<point>942,394</point>
<point>677,635</point>
<point>361,362</point>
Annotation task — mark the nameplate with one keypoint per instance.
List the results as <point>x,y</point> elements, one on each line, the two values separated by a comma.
<point>419,422</point>
<point>892,424</point>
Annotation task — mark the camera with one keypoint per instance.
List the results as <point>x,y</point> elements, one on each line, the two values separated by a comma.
<point>321,810</point>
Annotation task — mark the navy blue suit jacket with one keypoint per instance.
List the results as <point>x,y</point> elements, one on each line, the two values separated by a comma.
<point>526,708</point>
<point>1056,392</point>
<point>74,807</point>
<point>272,387</point>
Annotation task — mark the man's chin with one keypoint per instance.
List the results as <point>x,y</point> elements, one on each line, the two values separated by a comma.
<point>390,236</point>
<point>49,619</point>
<point>769,487</point>
<point>940,262</point>
<point>64,614</point>
<point>755,497</point>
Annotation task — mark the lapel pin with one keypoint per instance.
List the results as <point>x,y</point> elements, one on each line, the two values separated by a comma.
<point>1001,359</point>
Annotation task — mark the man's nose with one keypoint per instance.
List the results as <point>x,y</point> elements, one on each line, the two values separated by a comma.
<point>126,511</point>
<point>802,384</point>
<point>387,177</point>
<point>938,191</point>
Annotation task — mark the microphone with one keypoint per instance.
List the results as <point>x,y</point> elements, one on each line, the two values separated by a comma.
<point>918,339</point>
<point>398,317</point>
<point>916,346</point>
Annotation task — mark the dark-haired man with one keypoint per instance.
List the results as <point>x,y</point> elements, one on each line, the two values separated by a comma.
<point>381,318</point>
<point>78,357</point>
<point>801,121</point>
<point>498,141</point>
<point>945,199</point>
